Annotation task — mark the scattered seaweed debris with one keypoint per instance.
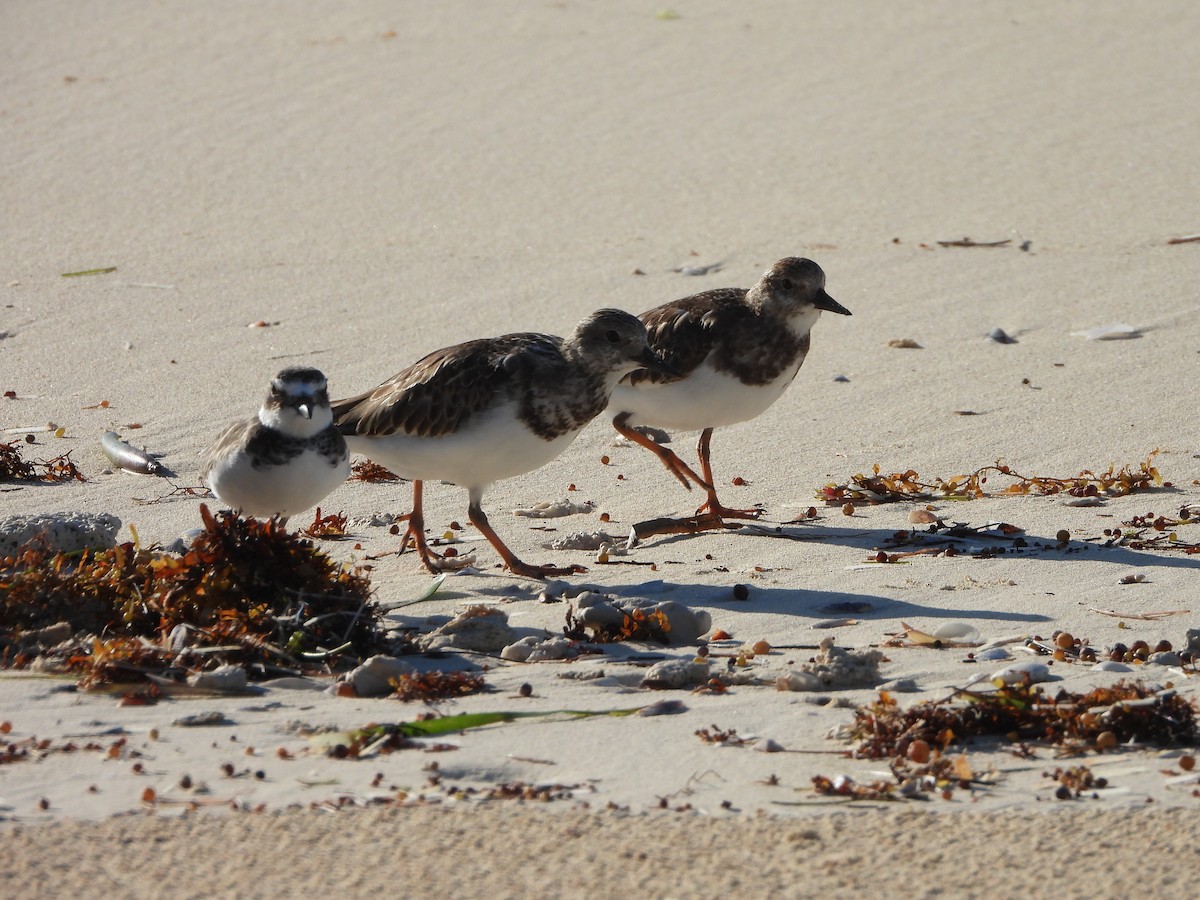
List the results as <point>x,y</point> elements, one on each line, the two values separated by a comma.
<point>371,472</point>
<point>1100,719</point>
<point>1152,532</point>
<point>430,686</point>
<point>1074,781</point>
<point>919,779</point>
<point>14,467</point>
<point>908,485</point>
<point>330,527</point>
<point>244,592</point>
<point>715,735</point>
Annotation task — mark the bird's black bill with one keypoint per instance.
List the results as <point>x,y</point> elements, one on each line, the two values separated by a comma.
<point>827,303</point>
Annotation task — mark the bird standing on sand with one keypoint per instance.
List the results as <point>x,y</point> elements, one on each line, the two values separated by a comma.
<point>736,351</point>
<point>286,458</point>
<point>493,408</point>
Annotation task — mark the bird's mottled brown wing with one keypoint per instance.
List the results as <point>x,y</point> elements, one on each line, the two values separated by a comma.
<point>437,394</point>
<point>683,332</point>
<point>229,439</point>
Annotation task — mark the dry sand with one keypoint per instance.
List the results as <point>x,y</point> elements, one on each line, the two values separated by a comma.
<point>375,182</point>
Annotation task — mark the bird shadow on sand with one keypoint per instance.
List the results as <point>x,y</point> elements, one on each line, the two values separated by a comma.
<point>989,545</point>
<point>814,604</point>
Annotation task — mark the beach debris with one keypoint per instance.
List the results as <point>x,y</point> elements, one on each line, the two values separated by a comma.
<point>597,618</point>
<point>585,540</point>
<point>371,472</point>
<point>968,242</point>
<point>947,635</point>
<point>1109,665</point>
<point>1073,782</point>
<point>225,679</point>
<point>676,674</point>
<point>908,485</point>
<point>724,737</point>
<point>14,467</point>
<point>131,459</point>
<point>375,676</point>
<point>326,527</point>
<point>1143,617</point>
<point>1186,239</point>
<point>1000,336</point>
<point>483,629</point>
<point>904,344</point>
<point>533,649</point>
<point>64,532</point>
<point>917,775</point>
<point>833,668</point>
<point>1120,332</point>
<point>1154,532</point>
<point>670,707</point>
<point>435,685</point>
<point>244,592</point>
<point>697,270</point>
<point>1021,712</point>
<point>102,271</point>
<point>1028,672</point>
<point>553,509</point>
<point>208,719</point>
<point>399,735</point>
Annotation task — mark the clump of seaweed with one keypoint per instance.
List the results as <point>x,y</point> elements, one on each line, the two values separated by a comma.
<point>14,467</point>
<point>331,526</point>
<point>247,587</point>
<point>430,686</point>
<point>1100,719</point>
<point>371,472</point>
<point>908,485</point>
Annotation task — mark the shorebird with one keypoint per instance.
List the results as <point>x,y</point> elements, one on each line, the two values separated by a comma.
<point>735,352</point>
<point>493,408</point>
<point>284,459</point>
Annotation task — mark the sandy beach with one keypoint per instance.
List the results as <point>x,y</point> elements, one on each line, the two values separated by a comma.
<point>350,186</point>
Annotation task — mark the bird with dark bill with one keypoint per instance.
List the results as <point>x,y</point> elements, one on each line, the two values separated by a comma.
<point>735,352</point>
<point>493,408</point>
<point>284,459</point>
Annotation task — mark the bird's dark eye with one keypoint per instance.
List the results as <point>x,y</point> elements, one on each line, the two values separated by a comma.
<point>786,284</point>
<point>612,336</point>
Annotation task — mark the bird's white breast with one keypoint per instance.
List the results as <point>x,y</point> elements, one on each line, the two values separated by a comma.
<point>283,490</point>
<point>705,399</point>
<point>492,445</point>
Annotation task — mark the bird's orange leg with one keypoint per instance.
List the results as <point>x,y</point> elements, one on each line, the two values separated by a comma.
<point>416,532</point>
<point>511,562</point>
<point>712,504</point>
<point>674,464</point>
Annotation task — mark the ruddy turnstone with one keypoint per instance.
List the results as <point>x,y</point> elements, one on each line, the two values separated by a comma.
<point>493,408</point>
<point>286,458</point>
<point>736,352</point>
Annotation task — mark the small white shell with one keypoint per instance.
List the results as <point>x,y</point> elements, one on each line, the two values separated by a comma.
<point>1119,332</point>
<point>956,631</point>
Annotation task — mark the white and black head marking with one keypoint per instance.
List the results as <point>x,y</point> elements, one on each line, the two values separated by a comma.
<point>301,388</point>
